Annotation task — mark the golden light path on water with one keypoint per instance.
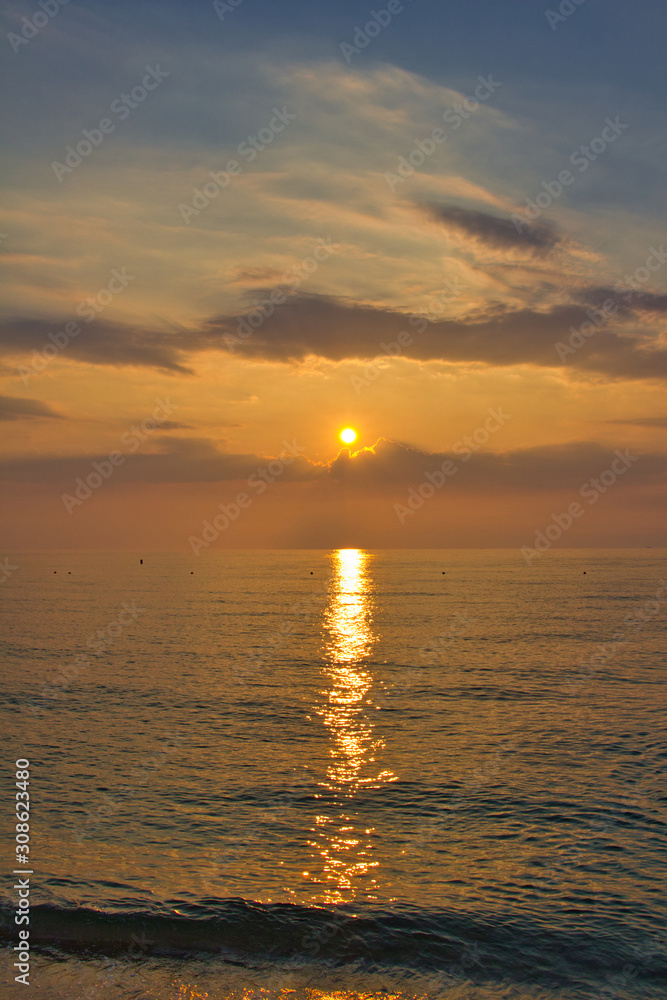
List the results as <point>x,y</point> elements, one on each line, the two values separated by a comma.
<point>342,842</point>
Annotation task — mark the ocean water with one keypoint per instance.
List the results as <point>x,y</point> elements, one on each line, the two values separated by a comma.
<point>339,774</point>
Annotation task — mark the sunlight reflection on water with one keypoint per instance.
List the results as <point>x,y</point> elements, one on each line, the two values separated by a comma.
<point>342,844</point>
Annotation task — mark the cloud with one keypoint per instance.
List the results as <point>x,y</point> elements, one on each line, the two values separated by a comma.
<point>649,302</point>
<point>641,422</point>
<point>175,460</point>
<point>101,343</point>
<point>12,408</point>
<point>387,467</point>
<point>253,275</point>
<point>339,330</point>
<point>492,229</point>
<point>173,425</point>
<point>390,464</point>
<point>628,301</point>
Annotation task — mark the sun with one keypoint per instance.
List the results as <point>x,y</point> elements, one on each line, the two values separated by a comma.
<point>348,436</point>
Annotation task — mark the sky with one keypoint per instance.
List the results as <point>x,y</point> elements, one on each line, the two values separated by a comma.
<point>232,229</point>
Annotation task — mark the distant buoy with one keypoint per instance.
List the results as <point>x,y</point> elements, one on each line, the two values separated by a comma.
<point>55,571</point>
<point>311,572</point>
<point>192,572</point>
<point>584,572</point>
<point>141,562</point>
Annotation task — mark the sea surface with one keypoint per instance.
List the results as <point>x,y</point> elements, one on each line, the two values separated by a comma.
<point>339,774</point>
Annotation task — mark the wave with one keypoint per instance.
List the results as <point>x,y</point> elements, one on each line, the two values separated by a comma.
<point>458,943</point>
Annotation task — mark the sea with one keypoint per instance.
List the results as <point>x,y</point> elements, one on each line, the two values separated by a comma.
<point>336,774</point>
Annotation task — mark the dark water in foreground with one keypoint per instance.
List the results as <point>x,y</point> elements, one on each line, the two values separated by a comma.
<point>373,780</point>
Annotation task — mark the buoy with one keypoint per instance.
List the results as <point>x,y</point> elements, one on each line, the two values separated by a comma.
<point>141,562</point>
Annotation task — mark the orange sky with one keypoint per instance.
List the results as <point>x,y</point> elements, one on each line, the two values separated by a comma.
<point>337,262</point>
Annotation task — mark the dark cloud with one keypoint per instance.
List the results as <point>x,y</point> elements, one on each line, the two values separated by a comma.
<point>496,231</point>
<point>329,328</point>
<point>12,408</point>
<point>649,302</point>
<point>173,425</point>
<point>385,469</point>
<point>253,275</point>
<point>625,298</point>
<point>641,422</point>
<point>326,327</point>
<point>552,467</point>
<point>100,343</point>
<point>175,460</point>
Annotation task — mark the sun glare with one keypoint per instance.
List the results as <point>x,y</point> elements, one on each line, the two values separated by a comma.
<point>348,436</point>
